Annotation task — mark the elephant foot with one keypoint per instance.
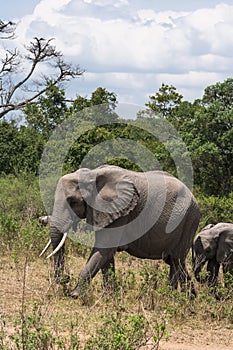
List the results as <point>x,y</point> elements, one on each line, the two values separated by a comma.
<point>75,293</point>
<point>80,290</point>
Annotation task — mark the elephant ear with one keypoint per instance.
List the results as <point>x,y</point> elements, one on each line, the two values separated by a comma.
<point>114,196</point>
<point>225,246</point>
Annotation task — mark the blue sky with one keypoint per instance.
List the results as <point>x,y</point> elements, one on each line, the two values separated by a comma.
<point>132,46</point>
<point>17,9</point>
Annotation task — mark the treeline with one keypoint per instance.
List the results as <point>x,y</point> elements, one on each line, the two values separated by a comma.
<point>205,125</point>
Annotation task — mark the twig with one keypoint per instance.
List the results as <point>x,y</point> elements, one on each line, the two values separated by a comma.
<point>23,302</point>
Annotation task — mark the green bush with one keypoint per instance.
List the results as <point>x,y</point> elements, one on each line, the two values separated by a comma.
<point>19,211</point>
<point>31,332</point>
<point>215,209</point>
<point>119,332</point>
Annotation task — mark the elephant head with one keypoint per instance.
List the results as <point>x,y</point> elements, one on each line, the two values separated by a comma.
<point>205,248</point>
<point>214,244</point>
<point>102,196</point>
<point>225,249</point>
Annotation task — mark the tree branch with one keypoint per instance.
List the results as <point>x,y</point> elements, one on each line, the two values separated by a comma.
<point>7,30</point>
<point>39,51</point>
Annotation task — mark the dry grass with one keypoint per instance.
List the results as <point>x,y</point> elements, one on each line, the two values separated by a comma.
<point>26,283</point>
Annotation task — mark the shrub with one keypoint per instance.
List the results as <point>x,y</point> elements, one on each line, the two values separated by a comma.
<point>215,209</point>
<point>119,332</point>
<point>19,211</point>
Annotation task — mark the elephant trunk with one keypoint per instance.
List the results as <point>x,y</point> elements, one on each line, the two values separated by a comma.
<point>56,237</point>
<point>197,273</point>
<point>199,262</point>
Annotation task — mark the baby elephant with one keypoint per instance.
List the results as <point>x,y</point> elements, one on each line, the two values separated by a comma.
<point>214,245</point>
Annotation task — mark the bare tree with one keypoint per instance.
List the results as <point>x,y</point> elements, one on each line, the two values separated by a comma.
<point>18,85</point>
<point>7,29</point>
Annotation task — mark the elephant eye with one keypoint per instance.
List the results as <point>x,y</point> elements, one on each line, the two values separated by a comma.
<point>71,200</point>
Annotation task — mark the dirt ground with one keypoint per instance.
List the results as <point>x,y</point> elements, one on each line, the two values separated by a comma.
<point>209,336</point>
<point>177,346</point>
<point>221,339</point>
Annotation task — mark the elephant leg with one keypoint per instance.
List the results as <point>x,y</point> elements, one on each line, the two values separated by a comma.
<point>228,267</point>
<point>212,269</point>
<point>228,274</point>
<point>224,268</point>
<point>99,257</point>
<point>108,271</point>
<point>173,275</point>
<point>179,274</point>
<point>59,265</point>
<point>185,281</point>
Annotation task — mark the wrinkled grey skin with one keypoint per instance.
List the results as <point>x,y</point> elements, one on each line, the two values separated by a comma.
<point>214,246</point>
<point>124,195</point>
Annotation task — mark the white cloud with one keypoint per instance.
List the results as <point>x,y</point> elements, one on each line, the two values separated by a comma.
<point>134,49</point>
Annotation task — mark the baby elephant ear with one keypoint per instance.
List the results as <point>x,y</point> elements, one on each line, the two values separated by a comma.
<point>225,247</point>
<point>114,197</point>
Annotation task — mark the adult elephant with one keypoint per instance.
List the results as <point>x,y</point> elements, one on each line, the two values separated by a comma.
<point>149,215</point>
<point>214,246</point>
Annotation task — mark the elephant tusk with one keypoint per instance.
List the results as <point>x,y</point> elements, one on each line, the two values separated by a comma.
<point>45,248</point>
<point>59,245</point>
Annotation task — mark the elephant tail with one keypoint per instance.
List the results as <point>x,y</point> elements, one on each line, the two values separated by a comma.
<point>193,256</point>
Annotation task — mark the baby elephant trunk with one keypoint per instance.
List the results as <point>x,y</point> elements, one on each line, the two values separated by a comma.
<point>199,262</point>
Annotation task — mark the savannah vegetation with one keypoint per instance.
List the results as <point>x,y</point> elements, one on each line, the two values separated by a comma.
<point>142,310</point>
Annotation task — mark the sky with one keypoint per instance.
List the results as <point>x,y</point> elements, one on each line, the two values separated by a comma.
<point>131,47</point>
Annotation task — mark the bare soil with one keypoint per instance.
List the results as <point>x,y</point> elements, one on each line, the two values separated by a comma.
<point>180,346</point>
<point>212,339</point>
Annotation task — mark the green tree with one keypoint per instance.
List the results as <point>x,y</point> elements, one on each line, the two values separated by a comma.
<point>30,149</point>
<point>165,101</point>
<point>209,137</point>
<point>98,109</point>
<point>220,93</point>
<point>53,109</point>
<point>206,126</point>
<point>49,112</point>
<point>101,96</point>
<point>8,149</point>
<point>21,149</point>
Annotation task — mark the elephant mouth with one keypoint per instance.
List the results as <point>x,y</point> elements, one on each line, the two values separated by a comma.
<point>56,250</point>
<point>60,245</point>
<point>198,264</point>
